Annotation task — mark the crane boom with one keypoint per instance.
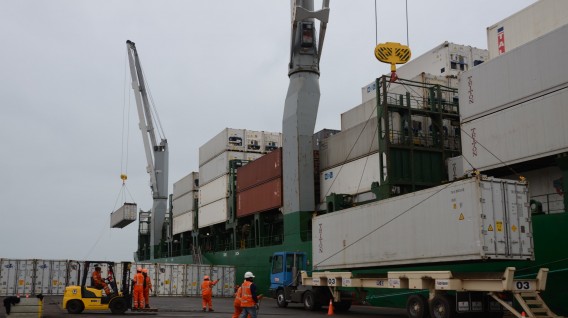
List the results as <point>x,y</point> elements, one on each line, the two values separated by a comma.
<point>156,153</point>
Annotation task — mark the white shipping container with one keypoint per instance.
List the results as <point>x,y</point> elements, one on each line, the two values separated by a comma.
<point>446,59</point>
<point>531,130</point>
<point>74,269</point>
<point>456,168</point>
<point>125,215</point>
<point>213,213</point>
<point>183,223</point>
<point>546,188</point>
<point>25,277</point>
<point>352,178</point>
<point>227,282</point>
<point>534,69</point>
<point>8,277</point>
<point>468,220</point>
<point>254,141</point>
<point>229,139</point>
<point>219,166</point>
<point>42,284</point>
<point>186,184</point>
<point>272,141</point>
<point>349,145</point>
<point>215,190</point>
<point>526,25</point>
<point>58,277</point>
<point>184,203</point>
<point>193,286</point>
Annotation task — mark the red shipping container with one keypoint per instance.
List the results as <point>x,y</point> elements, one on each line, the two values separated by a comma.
<point>259,171</point>
<point>261,198</point>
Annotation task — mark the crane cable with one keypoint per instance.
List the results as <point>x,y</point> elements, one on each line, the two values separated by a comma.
<point>377,25</point>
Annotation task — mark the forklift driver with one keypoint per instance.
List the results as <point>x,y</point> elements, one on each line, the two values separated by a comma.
<point>98,281</point>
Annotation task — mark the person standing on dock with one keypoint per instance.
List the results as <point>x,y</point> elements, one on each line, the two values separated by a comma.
<point>138,283</point>
<point>147,287</point>
<point>207,293</point>
<point>249,299</point>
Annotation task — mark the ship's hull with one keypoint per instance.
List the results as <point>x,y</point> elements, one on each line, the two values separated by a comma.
<point>550,249</point>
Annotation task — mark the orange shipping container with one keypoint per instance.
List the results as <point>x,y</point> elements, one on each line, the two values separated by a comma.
<point>261,198</point>
<point>265,168</point>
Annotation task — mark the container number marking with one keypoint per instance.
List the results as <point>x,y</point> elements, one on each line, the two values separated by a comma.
<point>316,281</point>
<point>331,281</point>
<point>347,282</point>
<point>523,285</point>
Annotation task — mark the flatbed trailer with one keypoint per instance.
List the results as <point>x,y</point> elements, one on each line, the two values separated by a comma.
<point>489,294</point>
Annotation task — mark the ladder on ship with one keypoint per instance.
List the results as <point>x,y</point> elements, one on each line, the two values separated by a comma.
<point>531,302</point>
<point>196,253</point>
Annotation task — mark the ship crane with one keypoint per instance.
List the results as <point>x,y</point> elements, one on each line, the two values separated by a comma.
<point>156,153</point>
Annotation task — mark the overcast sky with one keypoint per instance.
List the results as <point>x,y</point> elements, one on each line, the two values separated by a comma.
<point>210,65</point>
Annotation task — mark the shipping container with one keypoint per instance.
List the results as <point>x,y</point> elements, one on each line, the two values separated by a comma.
<point>218,166</point>
<point>259,171</point>
<point>186,184</point>
<point>546,189</point>
<point>531,130</point>
<point>74,269</point>
<point>215,190</point>
<point>184,203</point>
<point>213,213</point>
<point>526,25</point>
<point>170,279</point>
<point>192,279</point>
<point>263,197</point>
<point>58,277</point>
<point>447,59</point>
<point>42,284</point>
<point>532,70</point>
<point>8,277</point>
<point>254,141</point>
<point>354,177</point>
<point>272,141</point>
<point>469,220</point>
<point>348,145</point>
<point>125,215</point>
<point>25,277</point>
<point>229,139</point>
<point>321,135</point>
<point>456,168</point>
<point>183,223</point>
<point>227,280</point>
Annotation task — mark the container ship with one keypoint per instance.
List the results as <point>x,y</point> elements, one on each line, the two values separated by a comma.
<point>453,112</point>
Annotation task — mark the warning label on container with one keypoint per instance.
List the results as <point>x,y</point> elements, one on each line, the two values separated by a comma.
<point>499,226</point>
<point>490,229</point>
<point>461,217</point>
<point>514,228</point>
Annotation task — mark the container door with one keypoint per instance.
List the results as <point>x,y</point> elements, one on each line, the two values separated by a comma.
<point>192,280</point>
<point>228,281</point>
<point>518,215</point>
<point>25,274</point>
<point>493,219</point>
<point>164,280</point>
<point>73,273</point>
<point>8,277</point>
<point>178,280</point>
<point>58,277</point>
<point>42,284</point>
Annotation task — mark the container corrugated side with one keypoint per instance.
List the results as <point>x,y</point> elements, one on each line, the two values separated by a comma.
<point>531,130</point>
<point>213,213</point>
<point>219,166</point>
<point>533,69</point>
<point>261,170</point>
<point>185,203</point>
<point>123,216</point>
<point>349,145</point>
<point>186,184</point>
<point>468,220</point>
<point>215,190</point>
<point>260,198</point>
<point>354,177</point>
<point>526,25</point>
<point>229,139</point>
<point>25,276</point>
<point>182,223</point>
<point>8,277</point>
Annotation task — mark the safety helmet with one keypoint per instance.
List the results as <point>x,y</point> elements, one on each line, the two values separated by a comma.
<point>145,270</point>
<point>249,275</point>
<point>206,277</point>
<point>139,269</point>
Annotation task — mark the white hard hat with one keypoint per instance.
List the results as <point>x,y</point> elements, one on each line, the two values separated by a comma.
<point>249,275</point>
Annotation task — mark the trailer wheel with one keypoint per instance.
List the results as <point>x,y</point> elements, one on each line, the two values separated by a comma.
<point>281,299</point>
<point>118,306</point>
<point>417,306</point>
<point>310,301</point>
<point>442,306</point>
<point>75,306</point>
<point>342,306</point>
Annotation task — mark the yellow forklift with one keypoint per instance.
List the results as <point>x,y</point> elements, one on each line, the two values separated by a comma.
<point>79,298</point>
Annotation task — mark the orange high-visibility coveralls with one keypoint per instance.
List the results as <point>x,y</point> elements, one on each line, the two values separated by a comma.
<point>207,293</point>
<point>147,287</point>
<point>138,282</point>
<point>99,282</point>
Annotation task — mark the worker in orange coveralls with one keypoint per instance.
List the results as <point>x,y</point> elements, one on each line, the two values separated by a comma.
<point>98,281</point>
<point>138,283</point>
<point>207,293</point>
<point>147,287</point>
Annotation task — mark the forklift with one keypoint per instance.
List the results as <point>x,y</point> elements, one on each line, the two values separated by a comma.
<point>79,298</point>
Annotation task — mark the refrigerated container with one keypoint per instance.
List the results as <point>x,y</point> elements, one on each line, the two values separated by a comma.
<point>229,139</point>
<point>348,145</point>
<point>219,166</point>
<point>254,141</point>
<point>186,184</point>
<point>8,277</point>
<point>214,190</point>
<point>213,213</point>
<point>262,197</point>
<point>272,141</point>
<point>526,25</point>
<point>470,220</point>
<point>259,171</point>
<point>183,222</point>
<point>123,216</point>
<point>184,203</point>
<point>534,69</point>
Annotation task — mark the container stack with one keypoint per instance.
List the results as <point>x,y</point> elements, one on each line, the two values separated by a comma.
<point>185,203</point>
<point>259,185</point>
<point>214,157</point>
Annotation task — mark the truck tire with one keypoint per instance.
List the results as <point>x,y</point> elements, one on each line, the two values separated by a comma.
<point>118,306</point>
<point>310,302</point>
<point>417,306</point>
<point>442,306</point>
<point>281,299</point>
<point>75,306</point>
<point>341,306</point>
